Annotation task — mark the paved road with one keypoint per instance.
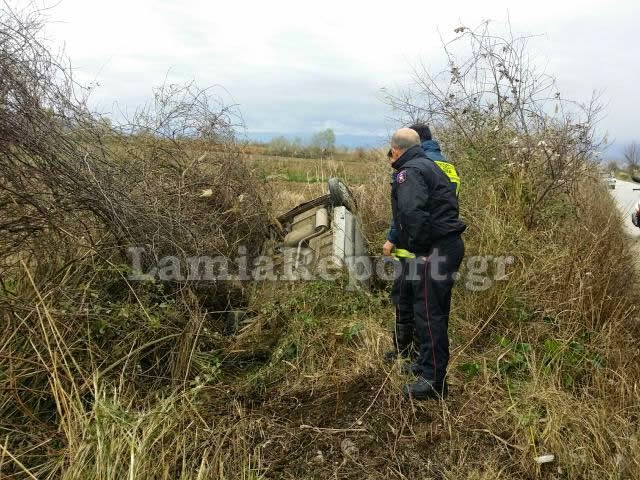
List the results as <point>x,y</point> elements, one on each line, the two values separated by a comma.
<point>627,198</point>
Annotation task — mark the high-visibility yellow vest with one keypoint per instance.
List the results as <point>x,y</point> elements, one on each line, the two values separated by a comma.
<point>451,172</point>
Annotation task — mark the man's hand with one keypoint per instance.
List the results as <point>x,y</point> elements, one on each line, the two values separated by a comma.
<point>387,248</point>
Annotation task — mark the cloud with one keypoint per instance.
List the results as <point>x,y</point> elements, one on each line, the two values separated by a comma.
<point>298,67</point>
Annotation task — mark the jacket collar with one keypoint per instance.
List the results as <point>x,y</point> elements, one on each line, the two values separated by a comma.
<point>430,146</point>
<point>409,154</point>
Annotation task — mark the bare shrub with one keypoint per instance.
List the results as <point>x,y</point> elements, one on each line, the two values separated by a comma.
<point>632,156</point>
<point>502,112</point>
<point>75,193</point>
<point>66,172</point>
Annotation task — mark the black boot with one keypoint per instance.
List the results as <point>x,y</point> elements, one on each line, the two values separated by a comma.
<point>423,389</point>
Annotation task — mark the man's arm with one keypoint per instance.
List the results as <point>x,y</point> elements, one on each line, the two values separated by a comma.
<point>392,240</point>
<point>414,219</point>
<point>392,236</point>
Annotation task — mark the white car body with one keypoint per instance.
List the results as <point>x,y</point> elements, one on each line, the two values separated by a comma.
<point>323,237</point>
<point>609,180</point>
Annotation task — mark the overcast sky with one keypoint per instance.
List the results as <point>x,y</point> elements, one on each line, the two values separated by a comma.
<point>301,66</point>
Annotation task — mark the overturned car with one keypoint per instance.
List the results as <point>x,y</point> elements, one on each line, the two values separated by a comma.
<point>318,237</point>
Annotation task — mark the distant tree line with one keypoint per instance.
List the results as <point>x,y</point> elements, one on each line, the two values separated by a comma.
<point>321,145</point>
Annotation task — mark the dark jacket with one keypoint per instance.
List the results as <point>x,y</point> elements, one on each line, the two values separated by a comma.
<point>425,208</point>
<point>432,152</point>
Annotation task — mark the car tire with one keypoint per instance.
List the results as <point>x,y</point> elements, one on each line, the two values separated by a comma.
<point>341,196</point>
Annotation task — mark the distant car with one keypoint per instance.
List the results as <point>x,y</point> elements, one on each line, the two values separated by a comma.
<point>609,180</point>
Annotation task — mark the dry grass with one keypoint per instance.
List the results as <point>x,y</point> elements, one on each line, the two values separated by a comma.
<point>544,362</point>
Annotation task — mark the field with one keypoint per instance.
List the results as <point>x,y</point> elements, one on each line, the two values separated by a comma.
<point>543,358</point>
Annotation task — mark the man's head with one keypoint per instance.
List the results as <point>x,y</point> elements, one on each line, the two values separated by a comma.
<point>402,140</point>
<point>423,130</point>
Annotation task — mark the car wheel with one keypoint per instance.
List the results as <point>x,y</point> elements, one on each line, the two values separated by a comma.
<point>341,195</point>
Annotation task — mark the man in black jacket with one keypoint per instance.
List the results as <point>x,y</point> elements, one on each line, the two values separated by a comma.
<point>425,212</point>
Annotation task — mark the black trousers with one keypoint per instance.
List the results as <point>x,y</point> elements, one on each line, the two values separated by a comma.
<point>422,295</point>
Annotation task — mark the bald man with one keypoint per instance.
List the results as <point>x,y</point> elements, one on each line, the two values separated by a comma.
<point>425,212</point>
